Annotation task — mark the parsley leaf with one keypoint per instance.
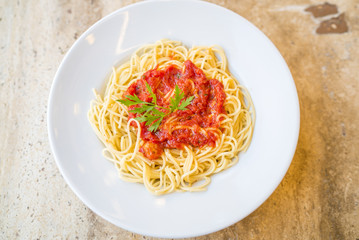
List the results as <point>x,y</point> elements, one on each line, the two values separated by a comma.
<point>185,103</point>
<point>142,118</point>
<point>154,126</point>
<point>132,100</point>
<point>176,100</point>
<point>150,119</point>
<point>154,99</point>
<point>149,110</point>
<point>142,109</point>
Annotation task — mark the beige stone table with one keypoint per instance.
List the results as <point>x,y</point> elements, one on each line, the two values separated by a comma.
<point>319,196</point>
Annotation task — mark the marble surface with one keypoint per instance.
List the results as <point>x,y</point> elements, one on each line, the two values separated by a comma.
<point>317,199</point>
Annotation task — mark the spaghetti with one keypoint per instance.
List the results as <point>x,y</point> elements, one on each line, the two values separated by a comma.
<point>175,166</point>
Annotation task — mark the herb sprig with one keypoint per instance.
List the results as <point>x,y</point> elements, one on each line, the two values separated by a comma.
<point>149,110</point>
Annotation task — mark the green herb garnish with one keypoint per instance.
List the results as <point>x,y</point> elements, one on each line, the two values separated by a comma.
<point>149,110</point>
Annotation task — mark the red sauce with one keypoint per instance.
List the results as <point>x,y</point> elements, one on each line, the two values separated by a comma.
<point>209,98</point>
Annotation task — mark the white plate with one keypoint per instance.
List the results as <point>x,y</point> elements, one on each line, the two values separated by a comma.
<point>232,194</point>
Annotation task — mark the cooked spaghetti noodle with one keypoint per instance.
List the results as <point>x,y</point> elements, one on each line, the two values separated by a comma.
<point>186,169</point>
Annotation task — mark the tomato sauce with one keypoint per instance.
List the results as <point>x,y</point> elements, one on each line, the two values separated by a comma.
<point>181,127</point>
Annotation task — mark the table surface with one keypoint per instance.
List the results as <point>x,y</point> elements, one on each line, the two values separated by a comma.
<point>317,199</point>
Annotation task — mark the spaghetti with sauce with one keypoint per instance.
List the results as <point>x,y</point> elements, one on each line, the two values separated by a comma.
<point>189,144</point>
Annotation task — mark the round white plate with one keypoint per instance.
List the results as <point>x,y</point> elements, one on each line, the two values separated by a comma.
<point>232,194</point>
